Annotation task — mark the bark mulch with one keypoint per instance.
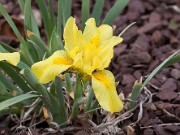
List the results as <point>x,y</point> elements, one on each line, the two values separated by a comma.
<point>146,44</point>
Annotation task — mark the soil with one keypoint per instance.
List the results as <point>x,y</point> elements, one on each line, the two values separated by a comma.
<point>146,44</point>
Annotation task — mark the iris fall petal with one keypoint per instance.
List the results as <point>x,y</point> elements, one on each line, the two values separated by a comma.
<point>48,69</point>
<point>12,58</point>
<point>104,87</point>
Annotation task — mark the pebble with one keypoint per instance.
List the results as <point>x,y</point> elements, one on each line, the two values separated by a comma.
<point>169,85</point>
<point>175,73</point>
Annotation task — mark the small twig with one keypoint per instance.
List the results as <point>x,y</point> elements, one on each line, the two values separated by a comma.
<point>93,110</point>
<point>161,125</point>
<point>42,120</point>
<point>170,114</point>
<point>140,112</point>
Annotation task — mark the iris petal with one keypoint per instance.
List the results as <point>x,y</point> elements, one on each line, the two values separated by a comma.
<point>103,83</point>
<point>12,58</point>
<point>48,69</point>
<point>72,37</point>
<point>106,32</point>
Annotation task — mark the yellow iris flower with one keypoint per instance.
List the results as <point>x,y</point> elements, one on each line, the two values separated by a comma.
<point>88,53</point>
<point>12,58</point>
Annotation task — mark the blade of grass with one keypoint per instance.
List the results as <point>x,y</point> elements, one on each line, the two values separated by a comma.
<point>61,101</point>
<point>33,24</point>
<point>27,15</point>
<point>173,60</point>
<point>135,93</point>
<point>11,87</point>
<point>90,99</point>
<point>15,100</point>
<point>26,55</point>
<point>85,12</point>
<point>3,90</point>
<point>78,99</point>
<point>7,48</point>
<point>97,10</point>
<point>115,11</point>
<point>66,10</point>
<point>15,76</point>
<point>45,17</point>
<point>69,86</point>
<point>157,69</point>
<point>34,51</point>
<point>59,18</point>
<point>33,82</point>
<point>55,42</point>
<point>51,15</point>
<point>76,104</point>
<point>38,42</point>
<point>78,90</point>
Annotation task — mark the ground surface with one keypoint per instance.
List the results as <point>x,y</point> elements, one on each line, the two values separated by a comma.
<point>153,38</point>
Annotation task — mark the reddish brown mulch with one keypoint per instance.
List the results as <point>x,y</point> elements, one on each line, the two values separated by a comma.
<point>146,44</point>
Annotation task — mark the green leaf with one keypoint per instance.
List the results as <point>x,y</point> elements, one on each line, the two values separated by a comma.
<point>97,10</point>
<point>78,90</point>
<point>55,42</point>
<point>138,87</point>
<point>78,93</point>
<point>59,18</point>
<point>15,76</point>
<point>115,11</point>
<point>25,7</point>
<point>157,69</point>
<point>85,11</point>
<point>34,51</point>
<point>3,90</point>
<point>26,55</point>
<point>27,15</point>
<point>173,60</point>
<point>38,42</point>
<point>90,99</point>
<point>15,100</point>
<point>51,15</point>
<point>6,48</point>
<point>66,10</point>
<point>77,103</point>
<point>61,101</point>
<point>45,17</point>
<point>69,86</point>
<point>135,93</point>
<point>11,87</point>
<point>32,80</point>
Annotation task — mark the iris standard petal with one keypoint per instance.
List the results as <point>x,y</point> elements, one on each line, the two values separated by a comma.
<point>105,32</point>
<point>91,33</point>
<point>12,58</point>
<point>48,69</point>
<point>107,48</point>
<point>103,83</point>
<point>72,37</point>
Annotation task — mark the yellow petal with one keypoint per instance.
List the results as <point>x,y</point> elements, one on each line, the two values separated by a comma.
<point>72,37</point>
<point>103,83</point>
<point>12,58</point>
<point>105,31</point>
<point>48,69</point>
<point>107,49</point>
<point>90,30</point>
<point>78,61</point>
